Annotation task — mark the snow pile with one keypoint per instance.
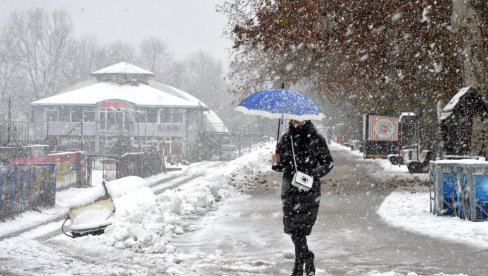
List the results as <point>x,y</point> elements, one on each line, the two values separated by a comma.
<point>145,222</point>
<point>242,173</point>
<point>202,195</point>
<point>126,185</point>
<point>75,197</point>
<point>138,222</point>
<point>411,211</point>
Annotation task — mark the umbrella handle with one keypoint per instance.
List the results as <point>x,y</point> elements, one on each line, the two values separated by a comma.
<point>279,123</point>
<point>278,135</point>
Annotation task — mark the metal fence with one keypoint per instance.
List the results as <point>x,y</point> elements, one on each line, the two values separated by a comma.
<point>141,164</point>
<point>14,132</point>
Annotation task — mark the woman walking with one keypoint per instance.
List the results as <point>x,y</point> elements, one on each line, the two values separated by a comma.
<point>306,148</point>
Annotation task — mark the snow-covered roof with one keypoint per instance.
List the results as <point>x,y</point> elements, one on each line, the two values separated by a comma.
<point>176,92</point>
<point>153,93</point>
<point>123,68</point>
<point>213,120</point>
<point>480,102</point>
<point>141,95</point>
<point>453,102</point>
<point>407,114</point>
<point>444,115</point>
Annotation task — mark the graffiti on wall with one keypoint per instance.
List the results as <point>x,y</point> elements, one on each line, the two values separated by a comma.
<point>69,166</point>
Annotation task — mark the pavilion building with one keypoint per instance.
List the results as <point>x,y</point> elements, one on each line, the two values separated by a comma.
<point>122,102</point>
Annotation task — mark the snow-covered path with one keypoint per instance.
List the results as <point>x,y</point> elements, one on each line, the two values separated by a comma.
<point>244,237</point>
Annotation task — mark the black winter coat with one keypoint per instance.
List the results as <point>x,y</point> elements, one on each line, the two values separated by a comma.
<point>312,157</point>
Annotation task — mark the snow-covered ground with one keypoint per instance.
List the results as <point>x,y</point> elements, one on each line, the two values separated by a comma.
<point>143,223</point>
<point>409,209</point>
<point>139,240</point>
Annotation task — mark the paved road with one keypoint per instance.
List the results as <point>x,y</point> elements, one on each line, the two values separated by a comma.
<point>349,238</point>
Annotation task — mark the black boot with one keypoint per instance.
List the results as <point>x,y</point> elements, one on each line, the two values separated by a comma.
<point>309,265</point>
<point>297,269</point>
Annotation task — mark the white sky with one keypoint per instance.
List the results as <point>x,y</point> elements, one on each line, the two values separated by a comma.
<point>186,25</point>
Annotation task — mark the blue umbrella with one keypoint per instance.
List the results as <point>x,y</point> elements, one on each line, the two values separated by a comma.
<point>278,103</point>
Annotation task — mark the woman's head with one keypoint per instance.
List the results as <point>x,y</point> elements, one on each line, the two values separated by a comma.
<point>296,123</point>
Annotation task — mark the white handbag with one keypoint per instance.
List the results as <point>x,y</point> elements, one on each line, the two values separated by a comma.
<point>300,180</point>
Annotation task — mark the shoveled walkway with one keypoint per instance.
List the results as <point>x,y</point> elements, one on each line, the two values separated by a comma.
<point>245,237</point>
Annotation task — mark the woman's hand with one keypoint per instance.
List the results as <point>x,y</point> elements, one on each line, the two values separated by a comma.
<point>276,159</point>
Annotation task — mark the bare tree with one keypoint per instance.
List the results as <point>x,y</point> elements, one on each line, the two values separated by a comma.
<point>9,63</point>
<point>155,56</point>
<point>469,18</point>
<point>120,52</point>
<point>203,77</point>
<point>42,40</point>
<point>85,56</point>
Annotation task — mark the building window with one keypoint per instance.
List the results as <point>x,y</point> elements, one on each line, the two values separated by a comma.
<point>165,116</point>
<point>64,115</point>
<point>177,117</point>
<point>111,119</point>
<point>89,115</point>
<point>51,115</point>
<point>76,115</point>
<point>152,116</point>
<point>103,118</point>
<point>171,116</point>
<point>140,116</point>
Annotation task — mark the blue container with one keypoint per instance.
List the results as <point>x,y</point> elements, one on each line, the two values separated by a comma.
<point>447,207</point>
<point>464,195</point>
<point>451,194</point>
<point>447,191</point>
<point>476,208</point>
<point>460,188</point>
<point>458,180</point>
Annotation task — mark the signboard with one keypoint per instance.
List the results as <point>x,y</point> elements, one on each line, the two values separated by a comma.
<point>114,104</point>
<point>382,128</point>
<point>380,135</point>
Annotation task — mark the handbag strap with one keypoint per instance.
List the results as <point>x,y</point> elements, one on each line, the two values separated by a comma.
<point>293,153</point>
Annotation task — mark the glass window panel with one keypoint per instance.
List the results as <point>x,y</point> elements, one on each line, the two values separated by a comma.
<point>152,116</point>
<point>64,115</point>
<point>89,115</point>
<point>164,116</point>
<point>52,115</point>
<point>103,118</point>
<point>177,117</point>
<point>140,117</point>
<point>111,119</point>
<point>76,115</point>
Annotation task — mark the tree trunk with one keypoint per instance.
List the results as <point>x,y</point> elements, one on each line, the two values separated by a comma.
<point>467,22</point>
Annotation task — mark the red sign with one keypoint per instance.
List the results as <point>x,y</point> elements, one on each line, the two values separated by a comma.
<point>114,104</point>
